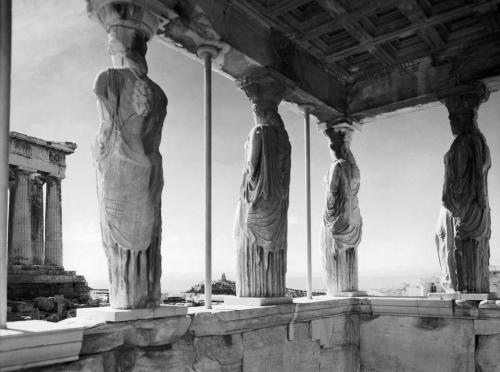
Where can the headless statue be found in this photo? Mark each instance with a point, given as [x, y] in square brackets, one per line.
[341, 225]
[261, 218]
[464, 225]
[132, 109]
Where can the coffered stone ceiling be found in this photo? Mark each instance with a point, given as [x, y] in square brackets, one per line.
[351, 59]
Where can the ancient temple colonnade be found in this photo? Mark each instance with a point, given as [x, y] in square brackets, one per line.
[35, 231]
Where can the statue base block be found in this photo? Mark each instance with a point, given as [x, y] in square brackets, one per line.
[108, 314]
[349, 294]
[463, 296]
[257, 301]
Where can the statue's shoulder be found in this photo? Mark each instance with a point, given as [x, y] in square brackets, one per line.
[101, 83]
[257, 131]
[158, 93]
[104, 79]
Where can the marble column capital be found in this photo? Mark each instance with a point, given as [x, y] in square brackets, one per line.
[49, 178]
[264, 89]
[37, 178]
[127, 14]
[468, 99]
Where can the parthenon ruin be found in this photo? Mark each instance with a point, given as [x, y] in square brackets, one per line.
[35, 238]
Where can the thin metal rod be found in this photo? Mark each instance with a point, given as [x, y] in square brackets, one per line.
[307, 146]
[5, 68]
[208, 180]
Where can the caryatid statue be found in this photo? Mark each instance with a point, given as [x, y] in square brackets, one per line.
[464, 225]
[341, 224]
[261, 218]
[132, 109]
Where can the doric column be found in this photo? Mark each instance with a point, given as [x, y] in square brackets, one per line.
[20, 233]
[53, 221]
[207, 53]
[261, 220]
[5, 67]
[341, 225]
[307, 161]
[37, 217]
[464, 225]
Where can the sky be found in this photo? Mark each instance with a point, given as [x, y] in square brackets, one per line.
[58, 51]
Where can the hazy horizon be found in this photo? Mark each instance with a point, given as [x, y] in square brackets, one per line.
[400, 157]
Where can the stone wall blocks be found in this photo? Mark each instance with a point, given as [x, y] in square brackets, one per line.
[93, 363]
[151, 332]
[225, 351]
[103, 341]
[178, 357]
[341, 330]
[487, 353]
[158, 331]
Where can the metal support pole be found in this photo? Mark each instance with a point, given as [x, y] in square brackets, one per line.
[207, 52]
[307, 146]
[5, 66]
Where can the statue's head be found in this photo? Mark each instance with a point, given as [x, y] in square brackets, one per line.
[127, 48]
[266, 113]
[340, 141]
[463, 107]
[462, 122]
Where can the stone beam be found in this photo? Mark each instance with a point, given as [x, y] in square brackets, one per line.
[37, 155]
[248, 44]
[425, 81]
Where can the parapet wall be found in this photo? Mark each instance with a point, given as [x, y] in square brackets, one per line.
[367, 334]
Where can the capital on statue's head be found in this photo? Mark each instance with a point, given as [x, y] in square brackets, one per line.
[126, 13]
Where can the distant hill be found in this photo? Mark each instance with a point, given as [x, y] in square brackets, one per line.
[228, 287]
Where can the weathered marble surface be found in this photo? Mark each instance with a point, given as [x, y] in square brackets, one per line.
[464, 225]
[132, 109]
[398, 343]
[261, 217]
[262, 339]
[487, 353]
[31, 343]
[341, 225]
[268, 350]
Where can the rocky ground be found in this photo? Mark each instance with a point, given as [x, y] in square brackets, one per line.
[52, 309]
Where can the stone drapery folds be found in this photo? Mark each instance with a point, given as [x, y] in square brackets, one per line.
[464, 225]
[341, 226]
[261, 218]
[129, 166]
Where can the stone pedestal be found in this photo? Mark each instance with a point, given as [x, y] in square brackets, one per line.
[463, 296]
[109, 314]
[349, 294]
[257, 301]
[53, 223]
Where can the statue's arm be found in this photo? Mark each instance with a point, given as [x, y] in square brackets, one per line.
[335, 196]
[253, 150]
[458, 177]
[104, 113]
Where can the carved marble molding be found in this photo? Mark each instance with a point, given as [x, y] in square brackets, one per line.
[35, 155]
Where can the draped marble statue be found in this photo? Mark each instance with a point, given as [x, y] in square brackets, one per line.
[132, 109]
[341, 226]
[463, 229]
[261, 218]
